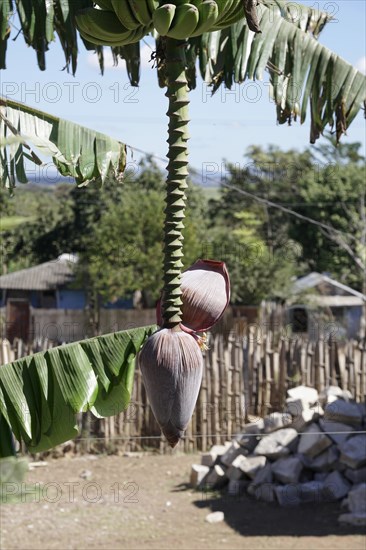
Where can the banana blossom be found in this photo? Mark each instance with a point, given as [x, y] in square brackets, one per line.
[171, 360]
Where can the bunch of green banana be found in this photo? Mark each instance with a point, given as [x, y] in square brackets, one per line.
[120, 22]
[104, 27]
[185, 18]
[134, 13]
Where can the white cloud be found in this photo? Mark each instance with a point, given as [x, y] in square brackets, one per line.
[361, 64]
[145, 53]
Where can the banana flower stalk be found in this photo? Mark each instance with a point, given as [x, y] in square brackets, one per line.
[171, 360]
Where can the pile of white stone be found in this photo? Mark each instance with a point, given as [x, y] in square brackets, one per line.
[313, 451]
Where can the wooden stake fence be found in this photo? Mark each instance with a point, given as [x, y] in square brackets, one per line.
[245, 375]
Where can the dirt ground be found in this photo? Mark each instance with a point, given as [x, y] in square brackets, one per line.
[115, 502]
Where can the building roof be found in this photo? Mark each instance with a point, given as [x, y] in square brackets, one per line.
[328, 289]
[48, 276]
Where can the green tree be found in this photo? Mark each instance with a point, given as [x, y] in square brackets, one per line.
[336, 197]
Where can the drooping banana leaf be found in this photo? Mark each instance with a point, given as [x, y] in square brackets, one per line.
[304, 17]
[41, 394]
[77, 151]
[41, 20]
[302, 71]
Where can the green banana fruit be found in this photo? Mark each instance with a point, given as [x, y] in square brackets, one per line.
[102, 42]
[208, 14]
[140, 11]
[185, 22]
[152, 5]
[140, 33]
[163, 17]
[97, 41]
[105, 5]
[130, 38]
[103, 26]
[125, 15]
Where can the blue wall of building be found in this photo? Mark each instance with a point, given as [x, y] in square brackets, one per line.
[35, 298]
[71, 299]
[67, 299]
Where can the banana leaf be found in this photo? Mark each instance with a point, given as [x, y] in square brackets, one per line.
[41, 394]
[42, 20]
[302, 72]
[76, 151]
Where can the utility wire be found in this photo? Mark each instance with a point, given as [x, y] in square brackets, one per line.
[288, 211]
[262, 200]
[198, 436]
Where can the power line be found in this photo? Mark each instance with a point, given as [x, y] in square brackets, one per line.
[198, 436]
[289, 211]
[264, 201]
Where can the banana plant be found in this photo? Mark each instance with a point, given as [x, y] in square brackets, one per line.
[231, 40]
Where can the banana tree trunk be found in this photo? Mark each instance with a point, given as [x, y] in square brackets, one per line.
[177, 92]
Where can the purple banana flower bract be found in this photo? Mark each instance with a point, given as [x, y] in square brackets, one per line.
[171, 360]
[171, 364]
[205, 295]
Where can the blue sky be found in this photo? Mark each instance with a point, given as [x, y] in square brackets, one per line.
[222, 127]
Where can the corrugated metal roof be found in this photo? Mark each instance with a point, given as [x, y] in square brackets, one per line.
[47, 276]
[315, 279]
[336, 301]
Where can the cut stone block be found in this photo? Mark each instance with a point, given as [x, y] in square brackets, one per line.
[296, 493]
[248, 442]
[312, 491]
[277, 444]
[234, 472]
[276, 420]
[209, 459]
[237, 488]
[344, 412]
[353, 519]
[362, 409]
[231, 453]
[256, 427]
[344, 504]
[216, 477]
[302, 420]
[324, 461]
[320, 476]
[265, 492]
[357, 499]
[215, 517]
[332, 393]
[288, 495]
[313, 441]
[287, 470]
[336, 486]
[330, 426]
[264, 475]
[356, 476]
[296, 406]
[247, 439]
[306, 474]
[249, 465]
[310, 395]
[353, 451]
[198, 472]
